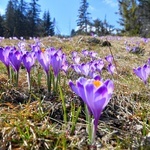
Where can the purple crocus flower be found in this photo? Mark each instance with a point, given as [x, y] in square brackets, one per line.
[22, 46]
[65, 66]
[148, 61]
[85, 68]
[111, 68]
[44, 60]
[76, 59]
[56, 62]
[85, 52]
[15, 58]
[109, 58]
[93, 54]
[74, 54]
[142, 72]
[35, 47]
[99, 65]
[128, 48]
[4, 53]
[28, 60]
[92, 69]
[95, 94]
[145, 40]
[76, 67]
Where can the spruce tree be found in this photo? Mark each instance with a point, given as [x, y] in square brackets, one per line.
[33, 17]
[22, 18]
[143, 14]
[48, 24]
[10, 20]
[83, 17]
[98, 25]
[128, 13]
[1, 25]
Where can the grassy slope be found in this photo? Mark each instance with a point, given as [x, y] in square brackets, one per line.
[125, 123]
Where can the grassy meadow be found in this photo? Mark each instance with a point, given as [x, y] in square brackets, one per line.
[35, 120]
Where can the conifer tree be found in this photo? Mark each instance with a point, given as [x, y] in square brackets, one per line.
[48, 24]
[22, 18]
[128, 13]
[98, 25]
[1, 25]
[33, 17]
[143, 14]
[10, 19]
[83, 17]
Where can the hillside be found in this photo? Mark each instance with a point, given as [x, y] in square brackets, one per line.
[35, 118]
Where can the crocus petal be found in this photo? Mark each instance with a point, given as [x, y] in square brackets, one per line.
[76, 68]
[28, 60]
[85, 68]
[99, 106]
[101, 93]
[73, 87]
[56, 62]
[76, 59]
[110, 86]
[4, 53]
[44, 60]
[85, 52]
[15, 58]
[74, 54]
[109, 58]
[89, 94]
[81, 91]
[97, 77]
[111, 68]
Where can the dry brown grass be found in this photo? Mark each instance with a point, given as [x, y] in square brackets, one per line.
[37, 121]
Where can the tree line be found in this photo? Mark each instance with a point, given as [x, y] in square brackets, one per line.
[23, 19]
[87, 26]
[135, 17]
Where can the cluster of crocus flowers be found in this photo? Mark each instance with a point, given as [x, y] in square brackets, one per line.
[49, 59]
[91, 66]
[52, 58]
[96, 94]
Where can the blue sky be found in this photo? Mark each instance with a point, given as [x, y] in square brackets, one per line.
[66, 11]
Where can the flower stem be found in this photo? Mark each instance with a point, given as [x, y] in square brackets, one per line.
[63, 105]
[93, 132]
[17, 78]
[88, 119]
[8, 71]
[29, 81]
[48, 83]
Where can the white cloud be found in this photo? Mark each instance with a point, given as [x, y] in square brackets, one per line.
[2, 11]
[112, 3]
[91, 8]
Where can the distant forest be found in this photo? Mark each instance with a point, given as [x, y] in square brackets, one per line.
[22, 19]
